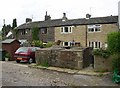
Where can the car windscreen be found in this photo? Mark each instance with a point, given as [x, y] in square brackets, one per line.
[22, 50]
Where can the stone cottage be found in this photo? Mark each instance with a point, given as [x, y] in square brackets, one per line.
[84, 32]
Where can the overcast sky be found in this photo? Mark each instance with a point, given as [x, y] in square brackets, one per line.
[21, 9]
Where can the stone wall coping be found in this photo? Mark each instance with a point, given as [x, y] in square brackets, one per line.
[62, 49]
[72, 50]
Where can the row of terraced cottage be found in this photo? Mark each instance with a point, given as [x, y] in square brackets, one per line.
[84, 32]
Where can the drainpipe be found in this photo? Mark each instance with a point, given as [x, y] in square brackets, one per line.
[86, 35]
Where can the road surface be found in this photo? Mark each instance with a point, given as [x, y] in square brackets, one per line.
[14, 74]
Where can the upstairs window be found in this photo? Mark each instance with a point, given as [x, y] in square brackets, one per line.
[24, 32]
[66, 29]
[43, 30]
[94, 28]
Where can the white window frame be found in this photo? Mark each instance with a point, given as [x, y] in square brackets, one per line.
[94, 28]
[62, 29]
[95, 44]
[66, 45]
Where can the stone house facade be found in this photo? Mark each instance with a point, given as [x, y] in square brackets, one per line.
[84, 32]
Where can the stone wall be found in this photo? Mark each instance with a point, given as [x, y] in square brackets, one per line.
[59, 57]
[102, 64]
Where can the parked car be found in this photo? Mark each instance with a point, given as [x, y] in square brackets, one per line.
[25, 54]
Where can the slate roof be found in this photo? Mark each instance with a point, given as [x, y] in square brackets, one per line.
[9, 41]
[59, 22]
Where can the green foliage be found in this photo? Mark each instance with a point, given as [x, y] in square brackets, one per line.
[116, 61]
[7, 55]
[35, 33]
[37, 43]
[101, 53]
[49, 44]
[5, 30]
[45, 63]
[14, 24]
[114, 42]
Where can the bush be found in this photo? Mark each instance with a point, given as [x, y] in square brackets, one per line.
[7, 55]
[114, 42]
[101, 53]
[116, 61]
[37, 43]
[49, 44]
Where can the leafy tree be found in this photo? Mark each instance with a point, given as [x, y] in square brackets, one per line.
[35, 33]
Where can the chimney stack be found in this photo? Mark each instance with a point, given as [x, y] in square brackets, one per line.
[28, 20]
[64, 18]
[88, 16]
[47, 17]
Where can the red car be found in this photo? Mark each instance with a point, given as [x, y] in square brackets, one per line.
[25, 54]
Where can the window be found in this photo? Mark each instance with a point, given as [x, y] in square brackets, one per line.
[66, 43]
[95, 44]
[43, 30]
[62, 29]
[70, 30]
[66, 29]
[94, 28]
[23, 32]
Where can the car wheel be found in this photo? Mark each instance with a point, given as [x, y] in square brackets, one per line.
[18, 61]
[30, 60]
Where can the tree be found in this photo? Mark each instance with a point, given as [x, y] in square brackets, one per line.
[14, 24]
[5, 30]
[14, 30]
[35, 33]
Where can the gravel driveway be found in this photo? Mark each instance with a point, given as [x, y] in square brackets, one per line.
[14, 74]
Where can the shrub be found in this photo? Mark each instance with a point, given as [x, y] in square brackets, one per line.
[7, 55]
[37, 43]
[49, 44]
[116, 61]
[114, 42]
[101, 53]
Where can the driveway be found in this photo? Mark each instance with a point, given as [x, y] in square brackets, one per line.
[14, 74]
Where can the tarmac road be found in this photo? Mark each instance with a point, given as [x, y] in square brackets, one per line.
[14, 74]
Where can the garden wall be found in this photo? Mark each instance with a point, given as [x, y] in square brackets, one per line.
[66, 58]
[102, 64]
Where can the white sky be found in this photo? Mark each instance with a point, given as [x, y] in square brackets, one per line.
[21, 9]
